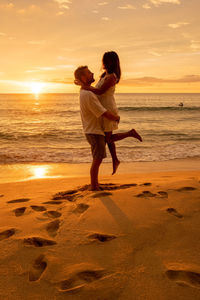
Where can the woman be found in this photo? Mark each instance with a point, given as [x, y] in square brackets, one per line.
[105, 90]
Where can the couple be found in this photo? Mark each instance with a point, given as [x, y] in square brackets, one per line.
[99, 113]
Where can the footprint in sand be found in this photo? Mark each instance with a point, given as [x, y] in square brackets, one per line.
[146, 184]
[7, 233]
[53, 227]
[81, 208]
[38, 207]
[112, 186]
[38, 242]
[145, 194]
[79, 280]
[67, 195]
[174, 212]
[19, 211]
[186, 188]
[126, 186]
[101, 237]
[19, 200]
[163, 194]
[101, 194]
[54, 202]
[53, 214]
[38, 268]
[184, 277]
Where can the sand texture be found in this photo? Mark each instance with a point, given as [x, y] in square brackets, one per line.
[137, 239]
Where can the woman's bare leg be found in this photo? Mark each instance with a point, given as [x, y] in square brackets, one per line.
[120, 136]
[111, 138]
[112, 149]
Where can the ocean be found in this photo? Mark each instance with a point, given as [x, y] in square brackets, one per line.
[47, 128]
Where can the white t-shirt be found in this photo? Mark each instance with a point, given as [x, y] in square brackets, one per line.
[91, 111]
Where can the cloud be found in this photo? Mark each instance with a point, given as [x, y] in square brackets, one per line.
[145, 81]
[105, 19]
[64, 80]
[195, 45]
[154, 53]
[41, 42]
[60, 13]
[4, 35]
[30, 9]
[63, 4]
[55, 68]
[177, 25]
[146, 6]
[38, 69]
[102, 3]
[7, 5]
[160, 2]
[60, 57]
[127, 6]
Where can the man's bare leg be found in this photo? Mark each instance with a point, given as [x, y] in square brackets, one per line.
[94, 171]
[112, 149]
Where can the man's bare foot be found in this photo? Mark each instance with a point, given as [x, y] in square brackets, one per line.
[96, 188]
[136, 135]
[115, 166]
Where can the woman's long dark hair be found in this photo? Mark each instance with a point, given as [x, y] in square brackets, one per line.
[111, 64]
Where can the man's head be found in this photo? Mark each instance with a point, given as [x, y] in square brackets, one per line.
[84, 75]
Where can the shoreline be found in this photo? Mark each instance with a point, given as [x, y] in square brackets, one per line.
[31, 171]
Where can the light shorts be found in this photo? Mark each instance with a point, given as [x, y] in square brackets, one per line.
[98, 145]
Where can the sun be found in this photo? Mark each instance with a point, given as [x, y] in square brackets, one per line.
[36, 87]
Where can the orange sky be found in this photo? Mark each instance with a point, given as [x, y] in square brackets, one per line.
[158, 42]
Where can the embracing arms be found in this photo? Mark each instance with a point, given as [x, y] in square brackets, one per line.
[107, 114]
[92, 104]
[109, 81]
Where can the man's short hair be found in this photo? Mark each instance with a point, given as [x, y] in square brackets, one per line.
[79, 72]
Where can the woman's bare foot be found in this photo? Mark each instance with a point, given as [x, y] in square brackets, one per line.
[136, 135]
[115, 166]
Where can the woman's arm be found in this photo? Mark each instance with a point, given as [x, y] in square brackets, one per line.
[108, 82]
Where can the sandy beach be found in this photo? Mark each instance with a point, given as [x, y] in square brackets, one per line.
[137, 239]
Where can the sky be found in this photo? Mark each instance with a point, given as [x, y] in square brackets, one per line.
[42, 42]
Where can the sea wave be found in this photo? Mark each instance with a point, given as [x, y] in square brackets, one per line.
[55, 135]
[151, 109]
[83, 155]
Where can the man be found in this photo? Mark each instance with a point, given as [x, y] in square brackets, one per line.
[91, 112]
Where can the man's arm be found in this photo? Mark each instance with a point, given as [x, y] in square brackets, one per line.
[107, 114]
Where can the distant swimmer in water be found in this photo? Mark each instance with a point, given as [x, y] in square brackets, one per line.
[181, 104]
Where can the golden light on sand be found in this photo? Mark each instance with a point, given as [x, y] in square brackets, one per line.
[39, 172]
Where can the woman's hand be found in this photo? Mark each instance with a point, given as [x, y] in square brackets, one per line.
[78, 82]
[86, 87]
[118, 119]
[83, 86]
